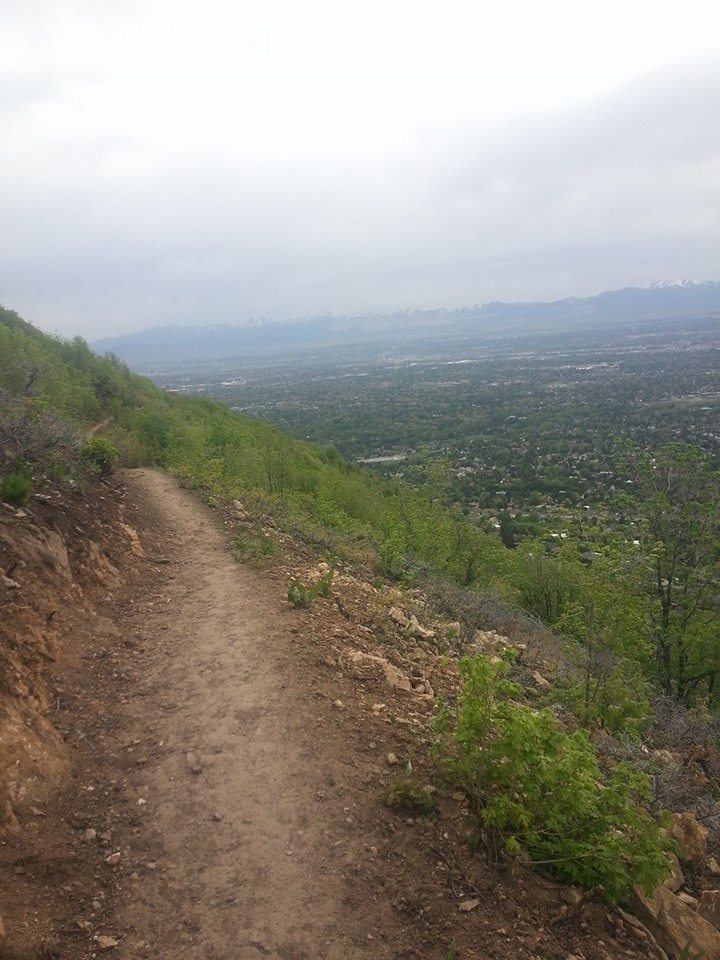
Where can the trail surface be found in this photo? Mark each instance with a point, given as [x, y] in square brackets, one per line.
[250, 859]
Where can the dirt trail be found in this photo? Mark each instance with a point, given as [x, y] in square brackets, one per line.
[250, 859]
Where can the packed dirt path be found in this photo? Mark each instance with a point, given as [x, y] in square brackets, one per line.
[250, 855]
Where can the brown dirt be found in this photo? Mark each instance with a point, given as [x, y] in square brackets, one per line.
[227, 758]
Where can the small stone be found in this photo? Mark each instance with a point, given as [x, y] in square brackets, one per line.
[540, 680]
[391, 760]
[397, 616]
[338, 704]
[217, 817]
[193, 761]
[113, 858]
[467, 905]
[106, 943]
[90, 834]
[571, 896]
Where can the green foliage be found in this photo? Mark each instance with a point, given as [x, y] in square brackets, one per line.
[323, 588]
[15, 488]
[406, 793]
[603, 621]
[678, 493]
[539, 789]
[687, 953]
[636, 613]
[611, 696]
[252, 545]
[100, 454]
[301, 595]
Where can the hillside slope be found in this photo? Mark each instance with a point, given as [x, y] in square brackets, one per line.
[225, 764]
[119, 613]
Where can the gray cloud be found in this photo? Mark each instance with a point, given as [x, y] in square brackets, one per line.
[99, 235]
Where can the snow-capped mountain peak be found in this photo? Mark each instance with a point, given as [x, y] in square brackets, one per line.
[663, 284]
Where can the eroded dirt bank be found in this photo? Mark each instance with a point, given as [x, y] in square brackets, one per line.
[220, 768]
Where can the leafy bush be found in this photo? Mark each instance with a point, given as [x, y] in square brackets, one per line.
[540, 790]
[301, 595]
[100, 454]
[615, 699]
[253, 546]
[15, 488]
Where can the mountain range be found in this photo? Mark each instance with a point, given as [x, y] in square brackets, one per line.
[661, 302]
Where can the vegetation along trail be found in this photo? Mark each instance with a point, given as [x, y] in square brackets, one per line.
[239, 793]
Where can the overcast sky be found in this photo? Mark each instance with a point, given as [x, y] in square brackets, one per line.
[176, 162]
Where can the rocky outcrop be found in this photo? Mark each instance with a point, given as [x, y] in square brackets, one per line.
[677, 926]
[709, 908]
[691, 838]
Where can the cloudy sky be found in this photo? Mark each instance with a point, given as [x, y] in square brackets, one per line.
[177, 162]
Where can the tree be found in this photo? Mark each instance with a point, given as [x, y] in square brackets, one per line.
[678, 495]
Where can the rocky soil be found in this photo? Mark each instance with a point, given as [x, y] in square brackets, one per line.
[191, 767]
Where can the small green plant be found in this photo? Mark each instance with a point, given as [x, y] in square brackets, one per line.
[100, 454]
[539, 790]
[405, 793]
[59, 471]
[452, 952]
[323, 588]
[301, 595]
[15, 488]
[687, 954]
[253, 546]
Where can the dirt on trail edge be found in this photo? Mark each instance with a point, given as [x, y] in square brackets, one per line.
[204, 775]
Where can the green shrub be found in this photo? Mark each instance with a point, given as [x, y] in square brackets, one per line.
[100, 454]
[298, 594]
[540, 790]
[301, 595]
[15, 488]
[253, 546]
[405, 793]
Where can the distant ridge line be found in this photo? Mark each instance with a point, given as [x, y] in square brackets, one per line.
[661, 301]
